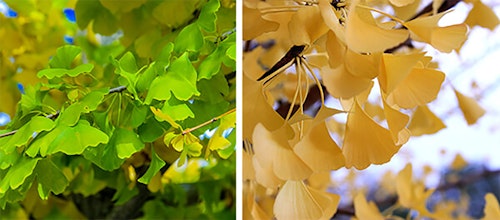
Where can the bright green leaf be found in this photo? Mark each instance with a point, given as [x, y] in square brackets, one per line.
[193, 149]
[64, 56]
[231, 52]
[208, 16]
[7, 160]
[127, 143]
[127, 63]
[189, 39]
[59, 72]
[177, 110]
[156, 164]
[211, 64]
[50, 178]
[25, 133]
[18, 173]
[150, 130]
[180, 79]
[69, 140]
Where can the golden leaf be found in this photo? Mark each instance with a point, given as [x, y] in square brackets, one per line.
[256, 110]
[425, 122]
[335, 50]
[365, 141]
[254, 25]
[273, 151]
[397, 122]
[331, 20]
[482, 15]
[420, 87]
[445, 39]
[366, 210]
[265, 175]
[364, 35]
[412, 195]
[401, 3]
[448, 38]
[306, 26]
[340, 83]
[318, 150]
[298, 201]
[492, 208]
[396, 68]
[471, 110]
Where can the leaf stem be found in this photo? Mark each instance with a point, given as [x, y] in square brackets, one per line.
[383, 13]
[189, 130]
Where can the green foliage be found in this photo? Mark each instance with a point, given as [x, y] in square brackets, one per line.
[122, 114]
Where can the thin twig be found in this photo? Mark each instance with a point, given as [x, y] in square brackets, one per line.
[55, 115]
[189, 130]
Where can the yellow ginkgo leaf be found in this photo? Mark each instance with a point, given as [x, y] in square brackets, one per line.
[492, 208]
[395, 68]
[165, 117]
[401, 3]
[273, 151]
[408, 11]
[254, 25]
[255, 104]
[335, 50]
[458, 163]
[420, 87]
[370, 67]
[412, 195]
[305, 27]
[448, 38]
[298, 201]
[365, 141]
[482, 15]
[331, 20]
[340, 83]
[397, 122]
[265, 175]
[424, 121]
[420, 27]
[366, 210]
[364, 35]
[251, 206]
[248, 170]
[445, 39]
[318, 150]
[470, 108]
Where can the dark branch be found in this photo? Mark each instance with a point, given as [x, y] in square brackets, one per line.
[295, 51]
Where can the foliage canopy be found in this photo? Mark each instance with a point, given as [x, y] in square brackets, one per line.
[124, 110]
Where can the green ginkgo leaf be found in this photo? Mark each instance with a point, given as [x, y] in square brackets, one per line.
[208, 16]
[70, 140]
[25, 133]
[50, 178]
[127, 143]
[180, 80]
[189, 39]
[156, 164]
[64, 56]
[60, 72]
[18, 173]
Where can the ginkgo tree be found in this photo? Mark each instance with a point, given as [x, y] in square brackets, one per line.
[119, 110]
[301, 55]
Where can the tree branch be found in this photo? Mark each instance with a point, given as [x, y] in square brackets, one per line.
[189, 130]
[55, 115]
